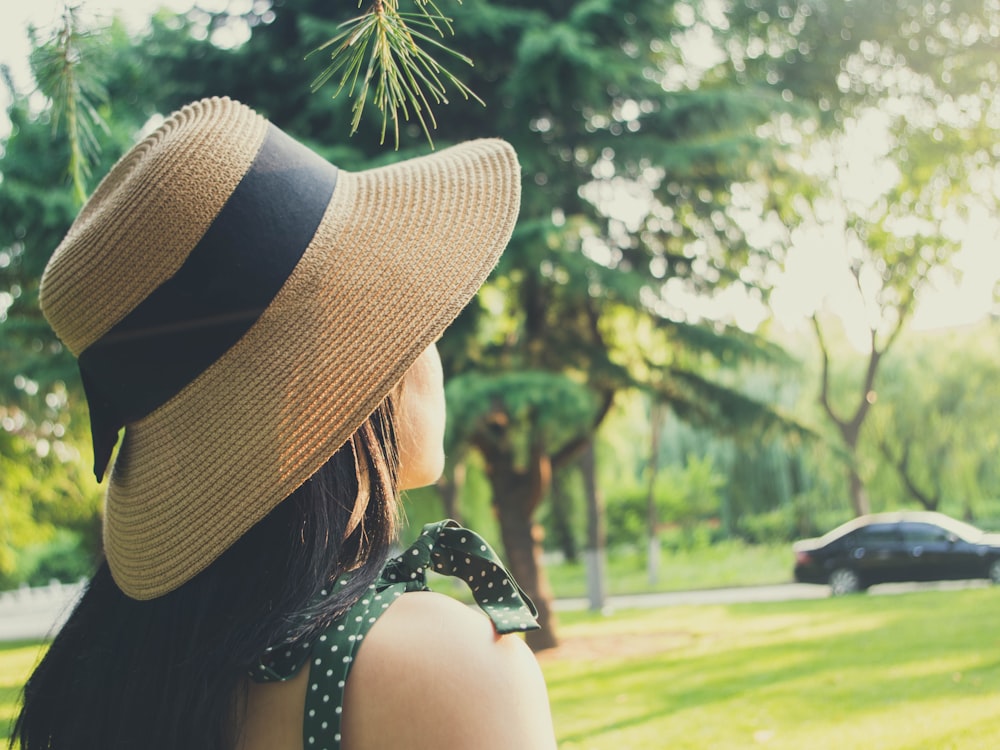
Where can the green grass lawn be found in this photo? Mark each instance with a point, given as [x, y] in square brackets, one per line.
[16, 661]
[729, 563]
[898, 672]
[902, 672]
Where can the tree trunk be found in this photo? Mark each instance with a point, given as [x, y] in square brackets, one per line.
[561, 514]
[656, 419]
[514, 500]
[850, 428]
[596, 538]
[859, 496]
[450, 488]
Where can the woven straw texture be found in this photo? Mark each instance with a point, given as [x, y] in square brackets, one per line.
[399, 252]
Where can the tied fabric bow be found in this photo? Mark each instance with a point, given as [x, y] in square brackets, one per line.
[446, 548]
[449, 549]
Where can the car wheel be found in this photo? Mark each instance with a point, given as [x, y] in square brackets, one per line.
[844, 581]
[995, 571]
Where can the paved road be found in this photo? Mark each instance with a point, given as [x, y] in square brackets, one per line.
[746, 594]
[778, 593]
[35, 613]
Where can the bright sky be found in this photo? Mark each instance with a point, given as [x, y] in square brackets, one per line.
[815, 274]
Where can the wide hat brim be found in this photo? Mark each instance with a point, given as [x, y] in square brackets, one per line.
[400, 250]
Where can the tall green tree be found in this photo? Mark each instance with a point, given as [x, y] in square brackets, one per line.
[580, 91]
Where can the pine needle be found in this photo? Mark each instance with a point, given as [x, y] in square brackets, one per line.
[383, 52]
[68, 76]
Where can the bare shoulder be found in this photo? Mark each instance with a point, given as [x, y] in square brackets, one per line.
[434, 674]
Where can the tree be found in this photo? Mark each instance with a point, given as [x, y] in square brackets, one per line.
[915, 81]
[894, 246]
[936, 423]
[583, 99]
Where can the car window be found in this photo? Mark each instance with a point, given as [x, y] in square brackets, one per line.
[964, 530]
[877, 533]
[923, 533]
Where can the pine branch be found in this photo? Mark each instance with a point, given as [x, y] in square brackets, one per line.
[401, 75]
[68, 76]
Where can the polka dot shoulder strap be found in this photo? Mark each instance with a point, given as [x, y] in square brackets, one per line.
[444, 547]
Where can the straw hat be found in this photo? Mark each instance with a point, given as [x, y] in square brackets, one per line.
[241, 306]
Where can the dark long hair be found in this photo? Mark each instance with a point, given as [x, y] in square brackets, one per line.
[170, 673]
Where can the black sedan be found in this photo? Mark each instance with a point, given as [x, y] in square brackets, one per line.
[889, 547]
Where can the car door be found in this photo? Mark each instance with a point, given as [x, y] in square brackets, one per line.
[876, 552]
[930, 553]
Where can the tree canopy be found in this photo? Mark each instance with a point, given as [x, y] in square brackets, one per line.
[668, 151]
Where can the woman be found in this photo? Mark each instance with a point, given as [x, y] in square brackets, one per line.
[262, 326]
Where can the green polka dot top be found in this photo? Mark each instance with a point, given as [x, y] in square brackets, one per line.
[444, 547]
